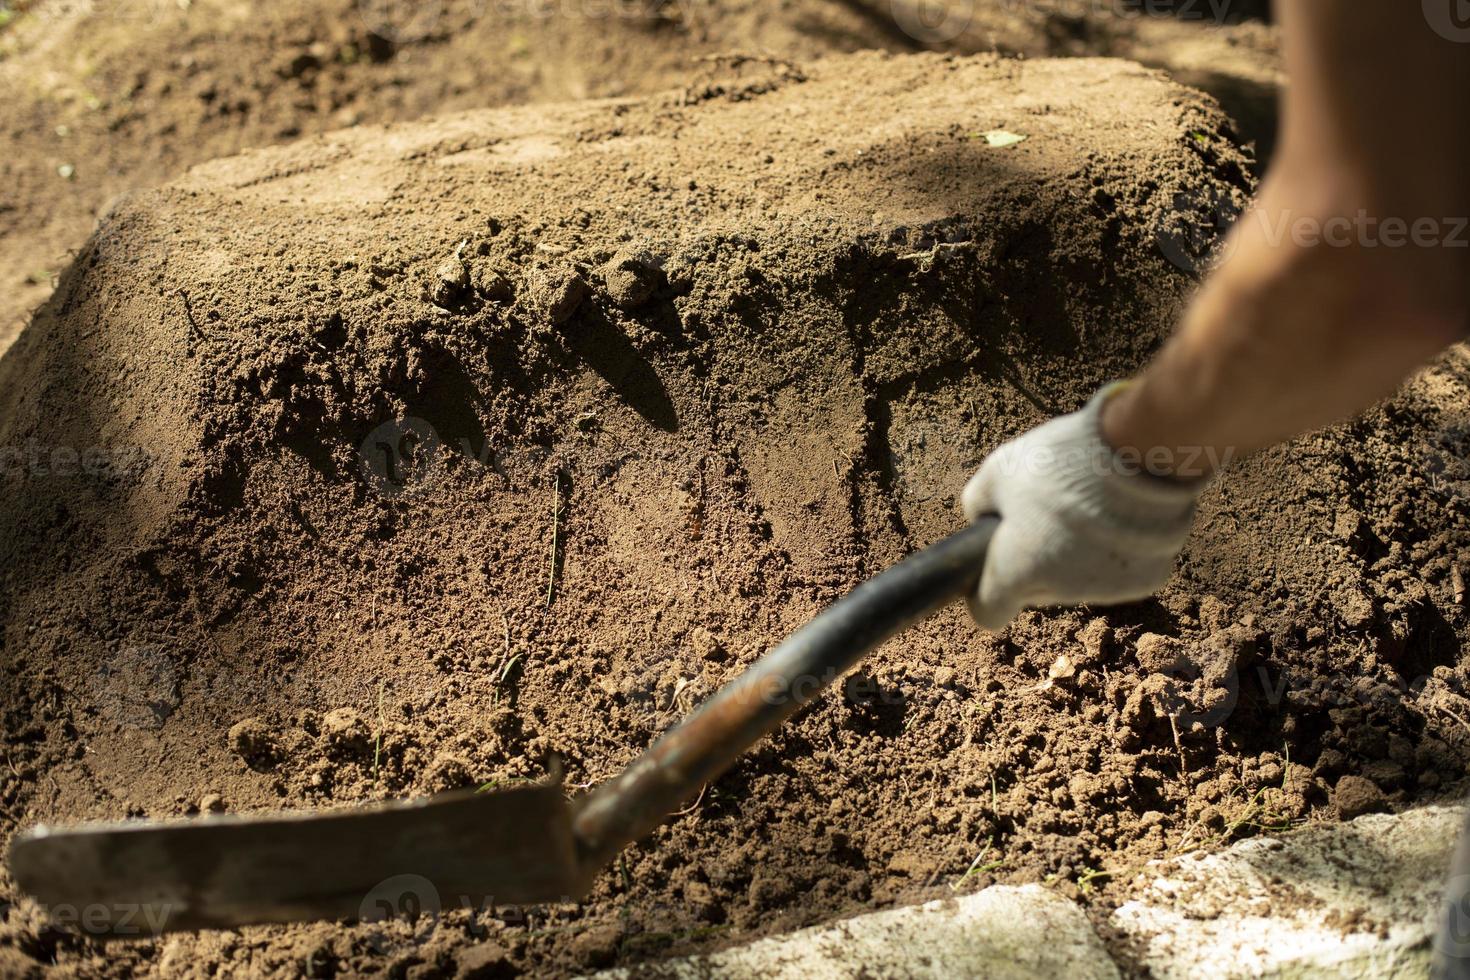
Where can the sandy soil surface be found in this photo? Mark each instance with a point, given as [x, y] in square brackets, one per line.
[408, 458]
[109, 96]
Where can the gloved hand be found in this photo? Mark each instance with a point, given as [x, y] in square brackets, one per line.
[1079, 522]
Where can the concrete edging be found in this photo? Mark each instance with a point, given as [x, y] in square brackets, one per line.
[1002, 933]
[1354, 899]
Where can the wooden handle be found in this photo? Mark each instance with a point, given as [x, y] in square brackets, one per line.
[754, 704]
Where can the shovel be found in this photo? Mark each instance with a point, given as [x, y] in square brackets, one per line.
[464, 849]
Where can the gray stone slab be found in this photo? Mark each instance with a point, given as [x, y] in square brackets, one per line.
[1001, 933]
[1358, 899]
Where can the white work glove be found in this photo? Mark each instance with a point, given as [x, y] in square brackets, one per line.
[1079, 522]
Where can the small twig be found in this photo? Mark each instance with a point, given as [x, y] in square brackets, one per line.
[555, 535]
[1454, 716]
[1085, 880]
[486, 787]
[189, 313]
[926, 258]
[1178, 747]
[976, 867]
[693, 806]
[509, 666]
[627, 876]
[378, 740]
[971, 869]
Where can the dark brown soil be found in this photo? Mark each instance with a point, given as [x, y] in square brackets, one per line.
[403, 459]
[104, 97]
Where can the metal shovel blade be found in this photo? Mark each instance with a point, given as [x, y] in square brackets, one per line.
[399, 859]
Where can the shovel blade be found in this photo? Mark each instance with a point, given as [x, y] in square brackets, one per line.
[395, 860]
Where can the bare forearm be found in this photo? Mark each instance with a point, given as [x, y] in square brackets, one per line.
[1321, 309]
[1282, 340]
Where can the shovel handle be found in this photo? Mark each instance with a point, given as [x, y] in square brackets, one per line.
[754, 704]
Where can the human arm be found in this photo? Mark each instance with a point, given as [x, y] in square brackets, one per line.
[1315, 314]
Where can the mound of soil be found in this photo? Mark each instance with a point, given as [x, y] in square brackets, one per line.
[112, 96]
[407, 458]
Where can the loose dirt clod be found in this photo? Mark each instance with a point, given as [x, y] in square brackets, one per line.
[254, 742]
[706, 646]
[447, 770]
[556, 293]
[451, 281]
[1158, 653]
[487, 961]
[345, 733]
[1355, 796]
[489, 283]
[631, 277]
